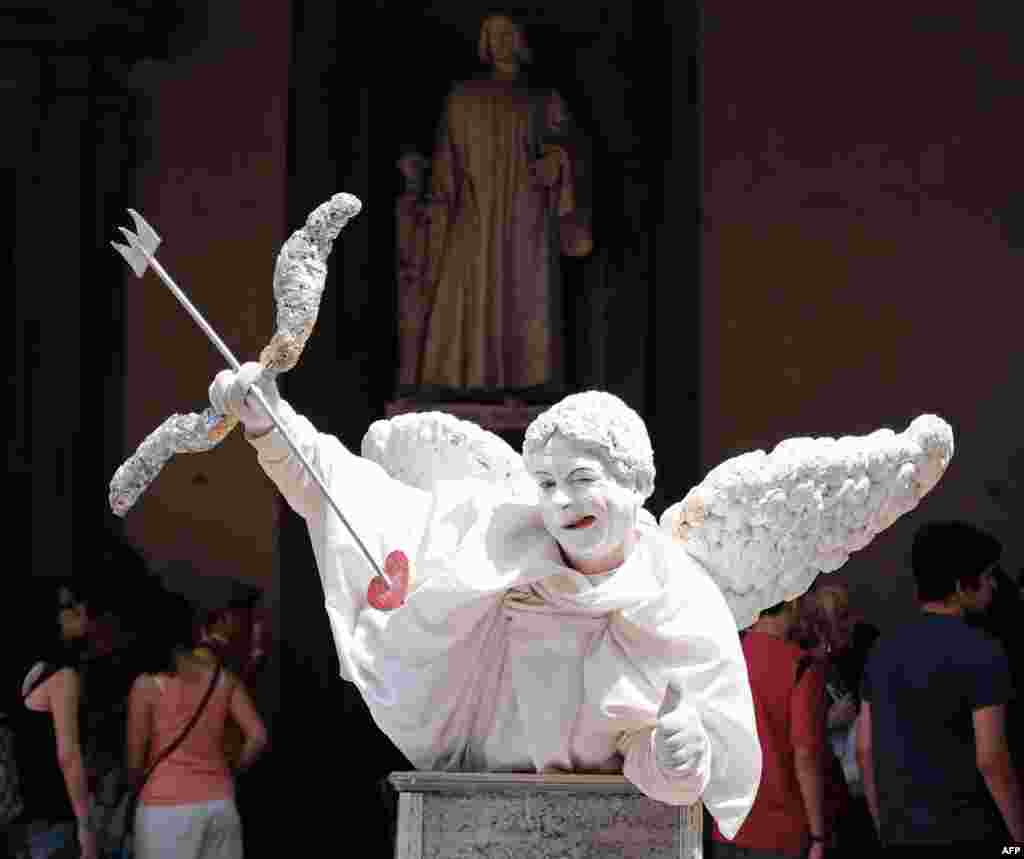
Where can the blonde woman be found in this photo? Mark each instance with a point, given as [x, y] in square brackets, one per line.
[843, 641]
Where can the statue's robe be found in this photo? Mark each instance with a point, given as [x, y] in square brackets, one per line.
[412, 218]
[494, 304]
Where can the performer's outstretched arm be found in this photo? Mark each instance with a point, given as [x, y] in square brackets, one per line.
[361, 488]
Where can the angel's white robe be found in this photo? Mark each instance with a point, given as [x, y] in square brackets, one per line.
[504, 659]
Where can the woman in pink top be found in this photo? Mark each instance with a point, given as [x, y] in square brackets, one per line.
[186, 808]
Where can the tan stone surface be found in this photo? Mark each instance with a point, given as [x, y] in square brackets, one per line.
[463, 815]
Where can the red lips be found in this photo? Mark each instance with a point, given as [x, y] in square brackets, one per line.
[585, 522]
[379, 595]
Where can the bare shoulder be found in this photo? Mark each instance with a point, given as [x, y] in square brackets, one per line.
[61, 684]
[65, 680]
[143, 684]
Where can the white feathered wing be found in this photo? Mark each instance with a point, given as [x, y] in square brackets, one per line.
[765, 525]
[422, 449]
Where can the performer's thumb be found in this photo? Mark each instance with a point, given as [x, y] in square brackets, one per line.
[673, 695]
[248, 375]
[219, 391]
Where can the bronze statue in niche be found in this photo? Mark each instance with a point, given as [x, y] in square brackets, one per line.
[480, 289]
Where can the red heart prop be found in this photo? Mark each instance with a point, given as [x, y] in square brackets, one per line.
[378, 594]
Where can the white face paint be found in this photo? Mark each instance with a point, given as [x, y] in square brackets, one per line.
[591, 515]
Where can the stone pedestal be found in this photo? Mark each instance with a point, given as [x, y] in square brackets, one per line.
[522, 816]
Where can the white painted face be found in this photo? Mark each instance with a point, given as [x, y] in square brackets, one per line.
[585, 508]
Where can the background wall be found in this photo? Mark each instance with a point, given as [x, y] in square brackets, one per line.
[181, 112]
[863, 246]
[177, 109]
[837, 248]
[213, 185]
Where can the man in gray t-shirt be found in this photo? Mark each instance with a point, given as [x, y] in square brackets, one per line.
[931, 738]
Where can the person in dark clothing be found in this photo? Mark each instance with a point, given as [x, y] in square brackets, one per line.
[106, 647]
[931, 741]
[850, 660]
[57, 803]
[1002, 620]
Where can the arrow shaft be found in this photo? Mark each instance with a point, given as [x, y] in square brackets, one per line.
[192, 310]
[318, 479]
[254, 390]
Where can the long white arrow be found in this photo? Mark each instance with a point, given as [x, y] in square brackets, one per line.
[139, 255]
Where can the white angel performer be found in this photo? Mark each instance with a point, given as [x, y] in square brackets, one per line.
[548, 624]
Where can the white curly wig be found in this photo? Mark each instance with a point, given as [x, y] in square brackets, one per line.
[604, 423]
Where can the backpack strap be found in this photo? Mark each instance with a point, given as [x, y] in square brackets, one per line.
[805, 662]
[136, 792]
[185, 731]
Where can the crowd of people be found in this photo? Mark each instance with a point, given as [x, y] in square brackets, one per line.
[126, 716]
[887, 744]
[872, 743]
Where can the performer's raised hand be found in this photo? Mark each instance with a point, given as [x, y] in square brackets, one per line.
[230, 395]
[681, 745]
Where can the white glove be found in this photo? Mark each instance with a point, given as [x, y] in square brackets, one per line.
[228, 396]
[681, 745]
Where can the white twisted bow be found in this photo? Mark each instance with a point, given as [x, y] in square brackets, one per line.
[299, 279]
